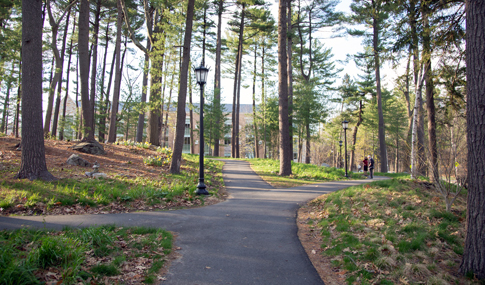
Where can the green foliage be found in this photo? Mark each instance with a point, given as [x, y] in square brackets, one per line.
[389, 224]
[97, 193]
[105, 270]
[27, 251]
[302, 173]
[157, 160]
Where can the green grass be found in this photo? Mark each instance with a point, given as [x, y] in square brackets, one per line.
[388, 230]
[25, 252]
[99, 193]
[302, 173]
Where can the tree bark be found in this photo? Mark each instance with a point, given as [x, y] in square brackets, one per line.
[217, 71]
[237, 88]
[290, 77]
[116, 90]
[103, 106]
[430, 107]
[141, 116]
[3, 127]
[33, 165]
[255, 125]
[191, 115]
[59, 87]
[180, 128]
[83, 48]
[153, 134]
[94, 55]
[382, 134]
[284, 126]
[474, 249]
[352, 159]
[63, 122]
[263, 102]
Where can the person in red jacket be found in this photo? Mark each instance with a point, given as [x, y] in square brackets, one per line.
[366, 165]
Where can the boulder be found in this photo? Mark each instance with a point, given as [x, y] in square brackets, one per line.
[92, 147]
[99, 175]
[77, 161]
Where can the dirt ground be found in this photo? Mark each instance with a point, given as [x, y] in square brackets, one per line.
[311, 241]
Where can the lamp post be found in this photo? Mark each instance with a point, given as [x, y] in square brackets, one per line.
[340, 153]
[345, 125]
[201, 75]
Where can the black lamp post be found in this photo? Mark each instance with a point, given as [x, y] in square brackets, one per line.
[201, 75]
[345, 125]
[340, 154]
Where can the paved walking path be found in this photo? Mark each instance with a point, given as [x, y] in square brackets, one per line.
[249, 239]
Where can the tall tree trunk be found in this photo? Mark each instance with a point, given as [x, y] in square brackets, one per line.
[83, 47]
[382, 135]
[3, 127]
[238, 103]
[191, 114]
[141, 116]
[68, 72]
[263, 103]
[33, 165]
[79, 108]
[255, 125]
[352, 160]
[414, 142]
[217, 72]
[474, 249]
[284, 126]
[59, 87]
[290, 77]
[307, 144]
[116, 90]
[237, 88]
[407, 155]
[421, 153]
[153, 134]
[433, 153]
[58, 64]
[180, 128]
[19, 97]
[169, 102]
[103, 105]
[94, 55]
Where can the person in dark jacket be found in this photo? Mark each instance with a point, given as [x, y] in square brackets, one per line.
[366, 165]
[371, 166]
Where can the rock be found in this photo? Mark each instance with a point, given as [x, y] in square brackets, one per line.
[99, 175]
[92, 147]
[77, 161]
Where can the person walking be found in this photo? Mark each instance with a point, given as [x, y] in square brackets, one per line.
[366, 165]
[371, 166]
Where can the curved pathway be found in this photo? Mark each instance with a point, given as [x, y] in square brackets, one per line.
[249, 239]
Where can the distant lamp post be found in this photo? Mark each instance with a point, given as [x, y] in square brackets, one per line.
[201, 76]
[345, 125]
[340, 154]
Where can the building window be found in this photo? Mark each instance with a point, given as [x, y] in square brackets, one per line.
[186, 146]
[227, 141]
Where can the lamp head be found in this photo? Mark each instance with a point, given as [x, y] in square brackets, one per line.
[201, 74]
[340, 143]
[345, 124]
